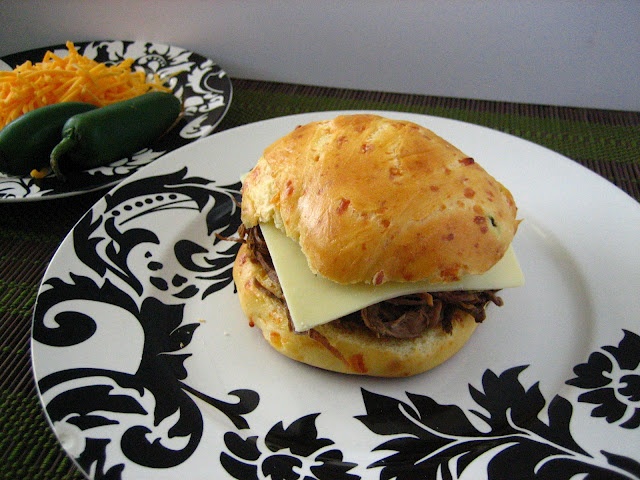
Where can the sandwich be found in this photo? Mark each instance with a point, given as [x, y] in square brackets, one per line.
[371, 246]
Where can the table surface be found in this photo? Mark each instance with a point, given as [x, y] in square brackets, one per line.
[607, 142]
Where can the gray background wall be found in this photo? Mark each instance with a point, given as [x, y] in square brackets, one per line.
[562, 52]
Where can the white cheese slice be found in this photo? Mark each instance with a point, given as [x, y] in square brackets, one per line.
[314, 300]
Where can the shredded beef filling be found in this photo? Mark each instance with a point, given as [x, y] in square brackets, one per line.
[407, 316]
[256, 243]
[410, 315]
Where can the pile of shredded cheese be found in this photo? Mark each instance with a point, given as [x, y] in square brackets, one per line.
[73, 78]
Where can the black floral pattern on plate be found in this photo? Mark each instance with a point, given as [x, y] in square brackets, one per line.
[612, 380]
[93, 405]
[439, 441]
[94, 401]
[286, 450]
[432, 440]
[209, 265]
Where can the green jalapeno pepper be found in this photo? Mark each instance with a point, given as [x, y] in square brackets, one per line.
[113, 132]
[26, 143]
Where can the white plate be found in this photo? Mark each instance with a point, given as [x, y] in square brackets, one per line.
[146, 366]
[203, 86]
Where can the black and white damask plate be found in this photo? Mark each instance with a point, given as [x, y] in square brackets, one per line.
[201, 84]
[147, 368]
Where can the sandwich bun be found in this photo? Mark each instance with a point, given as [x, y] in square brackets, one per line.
[371, 199]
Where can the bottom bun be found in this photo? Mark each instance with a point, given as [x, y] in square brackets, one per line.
[345, 347]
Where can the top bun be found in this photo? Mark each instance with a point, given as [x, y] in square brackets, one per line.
[371, 200]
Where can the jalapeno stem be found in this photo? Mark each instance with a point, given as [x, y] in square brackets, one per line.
[66, 144]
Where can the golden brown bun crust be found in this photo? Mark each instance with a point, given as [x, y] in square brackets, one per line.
[361, 351]
[371, 200]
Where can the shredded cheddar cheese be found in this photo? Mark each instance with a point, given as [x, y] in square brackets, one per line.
[39, 174]
[73, 78]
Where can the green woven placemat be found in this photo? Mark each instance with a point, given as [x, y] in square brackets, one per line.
[607, 142]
